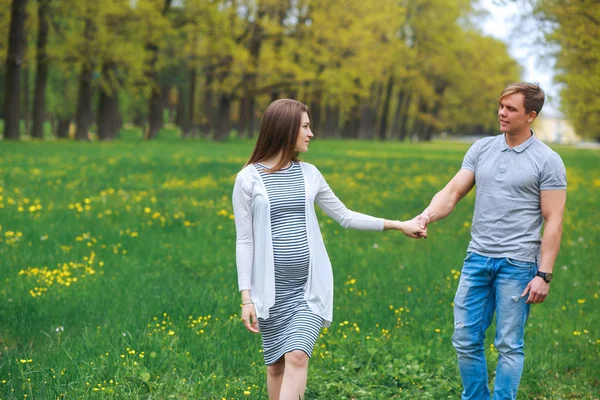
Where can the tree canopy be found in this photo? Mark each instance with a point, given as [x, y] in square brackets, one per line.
[572, 28]
[386, 69]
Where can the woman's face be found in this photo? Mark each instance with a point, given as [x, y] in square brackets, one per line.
[304, 135]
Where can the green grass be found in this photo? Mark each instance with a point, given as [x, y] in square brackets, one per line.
[146, 231]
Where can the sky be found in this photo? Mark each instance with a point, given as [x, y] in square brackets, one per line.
[505, 21]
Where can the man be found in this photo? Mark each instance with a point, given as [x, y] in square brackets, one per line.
[520, 182]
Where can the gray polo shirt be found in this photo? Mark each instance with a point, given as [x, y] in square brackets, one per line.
[507, 218]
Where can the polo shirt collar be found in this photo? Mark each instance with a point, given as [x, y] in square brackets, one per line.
[520, 148]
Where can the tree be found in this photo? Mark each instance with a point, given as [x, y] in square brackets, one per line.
[572, 29]
[155, 104]
[41, 77]
[387, 69]
[83, 116]
[14, 59]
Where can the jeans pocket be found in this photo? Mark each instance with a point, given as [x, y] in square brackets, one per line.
[469, 255]
[519, 264]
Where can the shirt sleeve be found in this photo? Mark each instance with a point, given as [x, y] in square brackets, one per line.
[470, 160]
[335, 209]
[244, 245]
[554, 174]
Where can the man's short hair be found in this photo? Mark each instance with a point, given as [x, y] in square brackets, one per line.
[533, 95]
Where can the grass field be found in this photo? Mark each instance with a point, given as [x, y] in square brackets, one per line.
[117, 263]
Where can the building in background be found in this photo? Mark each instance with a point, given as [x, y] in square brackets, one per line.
[553, 127]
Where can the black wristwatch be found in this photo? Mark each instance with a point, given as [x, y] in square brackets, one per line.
[546, 276]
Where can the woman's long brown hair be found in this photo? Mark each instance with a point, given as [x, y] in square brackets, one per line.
[278, 132]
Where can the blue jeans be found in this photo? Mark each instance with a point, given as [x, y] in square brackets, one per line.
[488, 285]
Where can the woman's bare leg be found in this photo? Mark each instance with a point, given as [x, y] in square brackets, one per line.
[274, 378]
[294, 376]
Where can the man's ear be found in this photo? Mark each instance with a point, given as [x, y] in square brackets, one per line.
[532, 116]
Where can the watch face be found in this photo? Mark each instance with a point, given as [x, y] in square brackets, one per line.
[548, 277]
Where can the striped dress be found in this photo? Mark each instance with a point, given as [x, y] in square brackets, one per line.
[291, 324]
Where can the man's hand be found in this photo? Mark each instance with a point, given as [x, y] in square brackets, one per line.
[423, 219]
[537, 289]
[411, 229]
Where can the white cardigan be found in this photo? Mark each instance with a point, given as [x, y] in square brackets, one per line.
[254, 244]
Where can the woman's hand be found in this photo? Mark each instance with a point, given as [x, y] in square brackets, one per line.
[249, 317]
[412, 228]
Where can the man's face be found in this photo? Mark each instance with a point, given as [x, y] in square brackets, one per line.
[512, 116]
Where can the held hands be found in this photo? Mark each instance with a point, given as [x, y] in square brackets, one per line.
[423, 219]
[411, 229]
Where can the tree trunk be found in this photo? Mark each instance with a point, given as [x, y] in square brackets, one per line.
[250, 116]
[25, 115]
[208, 123]
[331, 126]
[41, 76]
[242, 113]
[182, 119]
[386, 108]
[403, 126]
[223, 117]
[155, 103]
[246, 118]
[155, 109]
[282, 12]
[249, 78]
[139, 119]
[62, 131]
[187, 109]
[14, 60]
[158, 102]
[368, 114]
[84, 103]
[396, 122]
[108, 118]
[368, 117]
[420, 123]
[433, 113]
[83, 118]
[189, 120]
[315, 108]
[399, 128]
[351, 125]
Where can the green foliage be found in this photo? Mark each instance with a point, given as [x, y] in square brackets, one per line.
[335, 54]
[118, 276]
[482, 69]
[4, 26]
[573, 28]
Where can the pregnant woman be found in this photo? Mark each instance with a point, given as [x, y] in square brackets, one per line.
[284, 274]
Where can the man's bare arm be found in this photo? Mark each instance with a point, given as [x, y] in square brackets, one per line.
[552, 207]
[446, 199]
